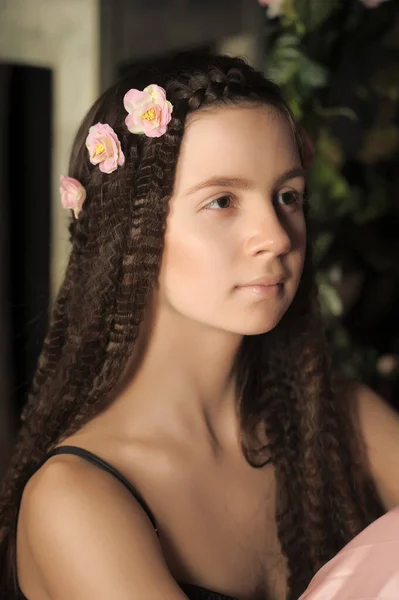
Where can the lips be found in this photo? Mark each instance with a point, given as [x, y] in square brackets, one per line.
[265, 281]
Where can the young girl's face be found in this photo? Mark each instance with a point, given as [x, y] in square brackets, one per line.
[235, 235]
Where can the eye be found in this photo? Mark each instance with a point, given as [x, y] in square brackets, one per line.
[290, 199]
[220, 203]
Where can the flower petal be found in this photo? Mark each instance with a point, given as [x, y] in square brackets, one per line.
[134, 98]
[132, 125]
[157, 93]
[109, 165]
[121, 159]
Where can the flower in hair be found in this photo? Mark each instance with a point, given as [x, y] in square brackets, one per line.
[149, 111]
[73, 194]
[104, 148]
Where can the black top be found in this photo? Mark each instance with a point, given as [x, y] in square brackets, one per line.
[193, 592]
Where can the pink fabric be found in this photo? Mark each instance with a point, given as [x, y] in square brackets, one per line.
[366, 569]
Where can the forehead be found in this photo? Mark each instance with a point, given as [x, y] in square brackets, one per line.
[253, 142]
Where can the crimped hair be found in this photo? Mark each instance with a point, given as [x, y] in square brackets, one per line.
[325, 495]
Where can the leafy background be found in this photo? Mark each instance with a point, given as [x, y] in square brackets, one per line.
[337, 62]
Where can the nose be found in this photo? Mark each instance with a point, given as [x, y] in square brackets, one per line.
[268, 234]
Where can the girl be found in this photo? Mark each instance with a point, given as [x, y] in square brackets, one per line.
[156, 461]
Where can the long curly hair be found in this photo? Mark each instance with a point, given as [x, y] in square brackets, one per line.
[325, 495]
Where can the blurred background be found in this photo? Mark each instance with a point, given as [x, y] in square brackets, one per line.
[338, 64]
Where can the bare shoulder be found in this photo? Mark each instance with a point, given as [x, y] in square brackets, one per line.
[90, 538]
[379, 426]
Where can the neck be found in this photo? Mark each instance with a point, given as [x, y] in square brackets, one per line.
[184, 381]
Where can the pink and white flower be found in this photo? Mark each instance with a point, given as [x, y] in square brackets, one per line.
[274, 7]
[149, 111]
[372, 3]
[104, 148]
[73, 194]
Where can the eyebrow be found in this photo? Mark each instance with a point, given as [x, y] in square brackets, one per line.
[244, 184]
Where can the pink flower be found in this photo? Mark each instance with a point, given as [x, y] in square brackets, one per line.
[372, 3]
[275, 7]
[104, 148]
[72, 193]
[149, 111]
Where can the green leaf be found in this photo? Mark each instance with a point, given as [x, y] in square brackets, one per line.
[379, 143]
[334, 111]
[314, 12]
[330, 148]
[288, 40]
[285, 60]
[331, 193]
[330, 300]
[282, 72]
[312, 75]
[321, 245]
[296, 108]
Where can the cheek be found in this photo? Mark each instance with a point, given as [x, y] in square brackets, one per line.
[189, 265]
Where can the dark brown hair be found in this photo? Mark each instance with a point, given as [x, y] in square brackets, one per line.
[325, 495]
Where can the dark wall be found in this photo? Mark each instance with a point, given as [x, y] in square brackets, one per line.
[25, 180]
[137, 30]
[6, 427]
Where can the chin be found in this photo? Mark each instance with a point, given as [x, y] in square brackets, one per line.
[258, 330]
[259, 327]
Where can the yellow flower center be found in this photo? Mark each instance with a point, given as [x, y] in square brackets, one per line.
[99, 149]
[149, 114]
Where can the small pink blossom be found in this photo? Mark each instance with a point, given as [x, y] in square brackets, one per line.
[72, 193]
[104, 148]
[275, 7]
[149, 111]
[372, 3]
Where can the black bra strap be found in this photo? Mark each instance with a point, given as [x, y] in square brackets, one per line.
[99, 462]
